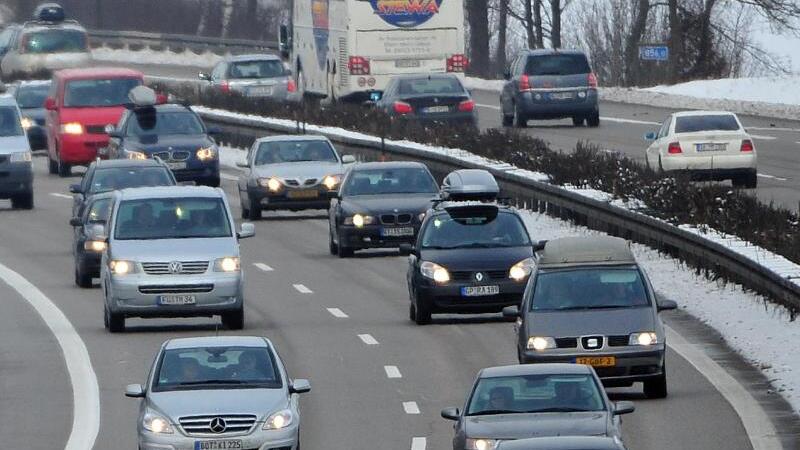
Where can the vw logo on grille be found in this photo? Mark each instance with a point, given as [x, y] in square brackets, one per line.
[217, 425]
[479, 276]
[176, 267]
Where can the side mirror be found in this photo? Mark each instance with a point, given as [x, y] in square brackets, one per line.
[75, 188]
[406, 249]
[348, 159]
[247, 230]
[507, 75]
[651, 136]
[621, 408]
[50, 104]
[539, 246]
[134, 391]
[451, 413]
[214, 131]
[300, 386]
[242, 163]
[75, 222]
[512, 312]
[204, 76]
[109, 128]
[666, 305]
[103, 151]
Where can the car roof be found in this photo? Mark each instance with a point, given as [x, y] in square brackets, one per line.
[534, 369]
[98, 72]
[217, 341]
[35, 83]
[171, 107]
[292, 137]
[7, 100]
[446, 206]
[570, 251]
[37, 25]
[169, 192]
[550, 51]
[703, 113]
[107, 163]
[563, 443]
[434, 76]
[253, 57]
[389, 165]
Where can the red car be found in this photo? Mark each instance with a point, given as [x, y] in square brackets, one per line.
[81, 104]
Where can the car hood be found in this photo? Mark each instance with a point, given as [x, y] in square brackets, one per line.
[166, 250]
[521, 426]
[156, 143]
[403, 203]
[259, 402]
[501, 258]
[14, 144]
[303, 169]
[619, 321]
[94, 115]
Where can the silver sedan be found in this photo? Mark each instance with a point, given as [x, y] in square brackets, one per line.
[222, 392]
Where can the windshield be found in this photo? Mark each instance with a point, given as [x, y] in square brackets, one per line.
[217, 367]
[10, 124]
[114, 178]
[503, 230]
[32, 96]
[411, 180]
[172, 218]
[146, 122]
[557, 65]
[294, 151]
[535, 393]
[590, 288]
[693, 124]
[256, 69]
[99, 211]
[54, 41]
[92, 93]
[430, 86]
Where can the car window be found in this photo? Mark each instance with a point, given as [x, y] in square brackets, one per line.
[32, 96]
[717, 122]
[172, 218]
[114, 178]
[535, 393]
[589, 288]
[503, 230]
[256, 69]
[218, 71]
[294, 151]
[221, 367]
[148, 121]
[10, 124]
[98, 211]
[427, 86]
[99, 92]
[664, 128]
[409, 180]
[558, 64]
[54, 41]
[5, 38]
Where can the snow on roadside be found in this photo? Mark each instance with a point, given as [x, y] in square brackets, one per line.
[147, 56]
[763, 89]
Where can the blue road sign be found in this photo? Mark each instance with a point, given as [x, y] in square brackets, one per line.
[654, 53]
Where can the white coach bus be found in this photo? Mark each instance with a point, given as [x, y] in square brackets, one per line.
[348, 49]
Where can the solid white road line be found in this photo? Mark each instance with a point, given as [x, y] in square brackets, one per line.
[762, 137]
[85, 390]
[368, 339]
[56, 194]
[764, 175]
[411, 407]
[228, 177]
[759, 428]
[419, 443]
[480, 105]
[302, 289]
[631, 121]
[336, 312]
[392, 372]
[263, 267]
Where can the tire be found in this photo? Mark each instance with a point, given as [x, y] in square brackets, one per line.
[114, 323]
[423, 311]
[52, 166]
[344, 252]
[507, 121]
[746, 181]
[594, 120]
[234, 320]
[657, 388]
[22, 201]
[332, 247]
[578, 121]
[82, 279]
[520, 121]
[64, 169]
[412, 311]
[254, 211]
[211, 181]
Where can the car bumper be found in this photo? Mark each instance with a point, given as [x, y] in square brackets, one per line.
[80, 149]
[37, 138]
[710, 165]
[15, 178]
[197, 170]
[257, 440]
[539, 105]
[285, 200]
[450, 299]
[632, 364]
[372, 236]
[90, 262]
[454, 119]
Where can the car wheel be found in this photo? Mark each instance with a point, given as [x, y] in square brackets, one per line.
[507, 120]
[115, 323]
[82, 279]
[234, 320]
[332, 247]
[52, 165]
[593, 120]
[657, 388]
[64, 169]
[23, 201]
[254, 211]
[520, 121]
[423, 311]
[344, 252]
[412, 311]
[578, 121]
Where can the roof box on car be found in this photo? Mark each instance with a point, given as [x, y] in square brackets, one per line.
[49, 12]
[470, 184]
[142, 96]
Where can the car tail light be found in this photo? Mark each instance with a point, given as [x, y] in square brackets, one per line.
[358, 65]
[161, 98]
[747, 146]
[291, 86]
[592, 78]
[466, 106]
[674, 148]
[225, 87]
[403, 108]
[524, 83]
[457, 63]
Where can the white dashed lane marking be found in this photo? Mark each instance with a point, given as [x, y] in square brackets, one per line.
[392, 372]
[225, 176]
[263, 267]
[336, 312]
[418, 443]
[56, 194]
[411, 407]
[368, 339]
[302, 289]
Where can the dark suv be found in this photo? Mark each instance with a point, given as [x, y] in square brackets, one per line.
[550, 84]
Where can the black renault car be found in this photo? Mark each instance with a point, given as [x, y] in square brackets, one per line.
[30, 96]
[380, 205]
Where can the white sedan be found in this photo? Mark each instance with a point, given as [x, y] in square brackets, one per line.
[706, 144]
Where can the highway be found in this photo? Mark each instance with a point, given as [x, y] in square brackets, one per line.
[341, 323]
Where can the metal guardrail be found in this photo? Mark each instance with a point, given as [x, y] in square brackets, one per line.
[136, 40]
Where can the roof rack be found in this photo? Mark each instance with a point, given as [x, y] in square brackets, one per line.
[470, 184]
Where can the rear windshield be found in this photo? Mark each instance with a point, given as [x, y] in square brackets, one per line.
[172, 218]
[425, 86]
[694, 124]
[557, 65]
[590, 288]
[10, 124]
[32, 96]
[113, 178]
[164, 123]
[98, 93]
[256, 69]
[54, 41]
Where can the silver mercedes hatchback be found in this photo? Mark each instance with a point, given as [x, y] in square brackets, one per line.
[221, 392]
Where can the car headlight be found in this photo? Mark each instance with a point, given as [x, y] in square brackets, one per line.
[19, 157]
[156, 423]
[72, 128]
[481, 444]
[207, 153]
[27, 123]
[130, 154]
[279, 420]
[331, 181]
[540, 343]
[421, 217]
[227, 264]
[358, 220]
[95, 246]
[521, 270]
[434, 271]
[272, 183]
[121, 267]
[644, 339]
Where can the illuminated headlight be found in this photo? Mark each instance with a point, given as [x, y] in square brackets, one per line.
[421, 217]
[279, 420]
[581, 94]
[229, 264]
[155, 423]
[331, 181]
[644, 339]
[135, 155]
[27, 123]
[482, 444]
[358, 220]
[434, 271]
[540, 343]
[94, 246]
[120, 267]
[273, 184]
[19, 157]
[521, 270]
[72, 128]
[205, 154]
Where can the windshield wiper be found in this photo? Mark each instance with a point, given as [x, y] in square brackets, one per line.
[194, 383]
[490, 412]
[558, 409]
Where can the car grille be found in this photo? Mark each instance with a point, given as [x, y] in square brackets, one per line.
[234, 423]
[186, 268]
[296, 182]
[569, 342]
[395, 219]
[173, 156]
[96, 129]
[470, 276]
[176, 288]
[585, 342]
[618, 341]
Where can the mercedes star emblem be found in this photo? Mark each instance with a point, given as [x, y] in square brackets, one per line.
[175, 267]
[217, 425]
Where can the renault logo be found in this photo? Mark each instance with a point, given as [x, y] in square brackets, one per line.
[479, 276]
[217, 425]
[175, 267]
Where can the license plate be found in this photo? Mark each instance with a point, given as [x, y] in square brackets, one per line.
[407, 63]
[177, 299]
[308, 193]
[562, 95]
[398, 231]
[436, 109]
[176, 165]
[261, 91]
[218, 445]
[711, 147]
[597, 361]
[478, 291]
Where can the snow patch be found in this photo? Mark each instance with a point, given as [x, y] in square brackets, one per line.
[185, 58]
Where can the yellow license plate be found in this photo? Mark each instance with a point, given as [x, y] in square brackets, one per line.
[597, 361]
[303, 194]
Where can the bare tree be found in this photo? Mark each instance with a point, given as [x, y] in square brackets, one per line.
[502, 35]
[641, 11]
[478, 18]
